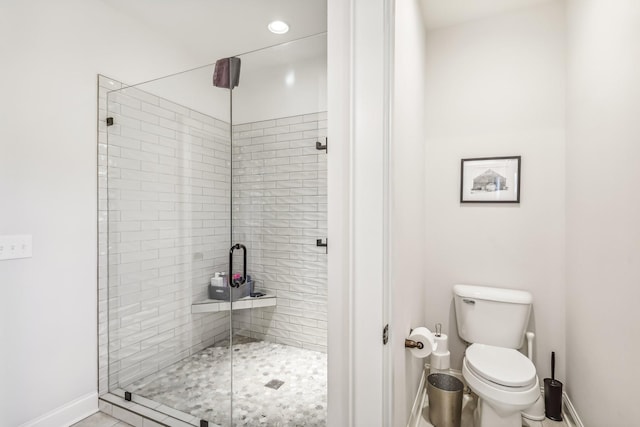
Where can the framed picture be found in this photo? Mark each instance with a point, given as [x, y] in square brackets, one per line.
[490, 180]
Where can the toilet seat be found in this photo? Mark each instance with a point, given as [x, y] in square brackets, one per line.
[504, 367]
[515, 398]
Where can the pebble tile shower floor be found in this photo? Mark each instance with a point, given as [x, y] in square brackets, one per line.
[273, 385]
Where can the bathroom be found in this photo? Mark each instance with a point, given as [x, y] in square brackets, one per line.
[550, 81]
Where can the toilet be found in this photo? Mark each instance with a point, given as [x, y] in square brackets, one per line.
[493, 321]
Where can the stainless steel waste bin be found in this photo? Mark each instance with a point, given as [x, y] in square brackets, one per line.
[445, 400]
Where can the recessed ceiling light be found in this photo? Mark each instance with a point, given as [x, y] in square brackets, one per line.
[278, 27]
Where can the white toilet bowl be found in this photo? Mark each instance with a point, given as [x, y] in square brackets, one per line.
[534, 415]
[505, 382]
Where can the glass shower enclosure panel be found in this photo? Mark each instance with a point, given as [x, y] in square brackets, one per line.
[169, 232]
[279, 212]
[217, 176]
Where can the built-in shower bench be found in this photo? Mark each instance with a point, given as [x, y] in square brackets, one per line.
[213, 305]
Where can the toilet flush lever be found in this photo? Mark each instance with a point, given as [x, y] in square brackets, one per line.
[468, 301]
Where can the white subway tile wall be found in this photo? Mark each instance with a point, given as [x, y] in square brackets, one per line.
[165, 170]
[279, 212]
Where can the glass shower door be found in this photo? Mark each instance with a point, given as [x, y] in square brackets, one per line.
[168, 161]
[279, 212]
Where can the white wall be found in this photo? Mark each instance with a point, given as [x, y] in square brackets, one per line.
[52, 53]
[603, 207]
[281, 90]
[407, 202]
[495, 87]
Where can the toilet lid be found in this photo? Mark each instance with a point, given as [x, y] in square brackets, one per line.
[504, 366]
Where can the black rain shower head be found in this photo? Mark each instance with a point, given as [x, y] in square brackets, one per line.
[227, 73]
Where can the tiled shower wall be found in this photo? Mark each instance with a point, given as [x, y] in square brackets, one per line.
[167, 227]
[279, 211]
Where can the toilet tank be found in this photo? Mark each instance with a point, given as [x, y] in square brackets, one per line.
[492, 316]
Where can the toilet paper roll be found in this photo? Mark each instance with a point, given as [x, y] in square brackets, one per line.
[440, 360]
[443, 344]
[424, 336]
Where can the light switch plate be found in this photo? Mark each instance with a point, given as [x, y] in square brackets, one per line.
[17, 246]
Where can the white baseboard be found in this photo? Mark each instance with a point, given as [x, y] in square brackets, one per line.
[570, 411]
[67, 414]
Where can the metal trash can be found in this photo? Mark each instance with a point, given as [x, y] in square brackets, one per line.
[445, 400]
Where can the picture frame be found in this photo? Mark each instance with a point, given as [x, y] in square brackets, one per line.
[490, 180]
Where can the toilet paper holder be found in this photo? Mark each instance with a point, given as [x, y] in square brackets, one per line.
[413, 344]
[420, 342]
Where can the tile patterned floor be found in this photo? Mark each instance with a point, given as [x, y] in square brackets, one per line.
[200, 384]
[100, 419]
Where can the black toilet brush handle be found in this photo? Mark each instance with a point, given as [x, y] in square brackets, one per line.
[553, 365]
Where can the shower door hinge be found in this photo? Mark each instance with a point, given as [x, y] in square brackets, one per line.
[127, 396]
[325, 245]
[109, 121]
[385, 334]
[324, 147]
[204, 423]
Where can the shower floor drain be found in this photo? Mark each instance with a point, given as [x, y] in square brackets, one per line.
[274, 384]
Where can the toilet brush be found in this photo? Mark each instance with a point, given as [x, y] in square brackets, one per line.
[553, 393]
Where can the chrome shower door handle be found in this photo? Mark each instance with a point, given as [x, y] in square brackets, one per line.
[232, 282]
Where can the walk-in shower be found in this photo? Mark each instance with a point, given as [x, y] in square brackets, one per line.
[188, 171]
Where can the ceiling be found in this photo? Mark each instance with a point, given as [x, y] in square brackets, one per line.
[211, 29]
[443, 13]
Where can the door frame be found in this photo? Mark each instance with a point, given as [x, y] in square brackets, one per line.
[359, 73]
